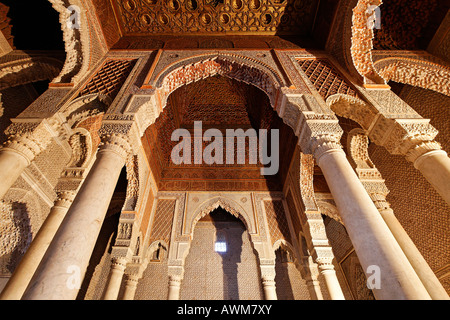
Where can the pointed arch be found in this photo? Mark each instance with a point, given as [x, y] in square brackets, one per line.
[227, 204]
[353, 108]
[415, 72]
[244, 69]
[76, 40]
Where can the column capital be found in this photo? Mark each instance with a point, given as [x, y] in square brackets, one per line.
[64, 198]
[325, 143]
[324, 257]
[29, 137]
[23, 144]
[416, 153]
[119, 263]
[116, 142]
[401, 136]
[132, 278]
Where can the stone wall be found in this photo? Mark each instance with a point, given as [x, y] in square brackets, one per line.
[231, 275]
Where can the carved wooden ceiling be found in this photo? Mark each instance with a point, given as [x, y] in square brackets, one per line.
[216, 16]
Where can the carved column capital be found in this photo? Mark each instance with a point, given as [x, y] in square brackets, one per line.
[416, 152]
[64, 198]
[24, 145]
[117, 143]
[324, 257]
[119, 263]
[401, 136]
[325, 143]
[29, 138]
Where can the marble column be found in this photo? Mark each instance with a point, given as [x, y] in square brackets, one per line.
[23, 273]
[314, 289]
[15, 156]
[64, 265]
[269, 287]
[116, 272]
[331, 280]
[434, 164]
[373, 241]
[174, 287]
[423, 270]
[131, 283]
[268, 280]
[324, 258]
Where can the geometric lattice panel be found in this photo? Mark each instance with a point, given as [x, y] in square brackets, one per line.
[110, 78]
[276, 219]
[162, 222]
[325, 78]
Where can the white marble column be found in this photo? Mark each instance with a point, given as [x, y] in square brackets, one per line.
[434, 164]
[174, 287]
[269, 287]
[64, 265]
[324, 258]
[331, 280]
[116, 272]
[15, 156]
[23, 273]
[373, 241]
[268, 280]
[423, 270]
[131, 283]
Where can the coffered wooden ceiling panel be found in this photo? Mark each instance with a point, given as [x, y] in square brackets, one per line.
[281, 17]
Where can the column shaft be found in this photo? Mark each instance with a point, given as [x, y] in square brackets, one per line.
[65, 263]
[435, 167]
[115, 279]
[425, 273]
[374, 243]
[174, 288]
[12, 163]
[23, 273]
[270, 292]
[130, 287]
[333, 286]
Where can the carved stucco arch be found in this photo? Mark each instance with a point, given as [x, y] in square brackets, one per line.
[353, 108]
[287, 246]
[192, 69]
[76, 41]
[82, 148]
[153, 247]
[415, 72]
[329, 210]
[240, 68]
[358, 149]
[228, 205]
[362, 42]
[84, 107]
[28, 70]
